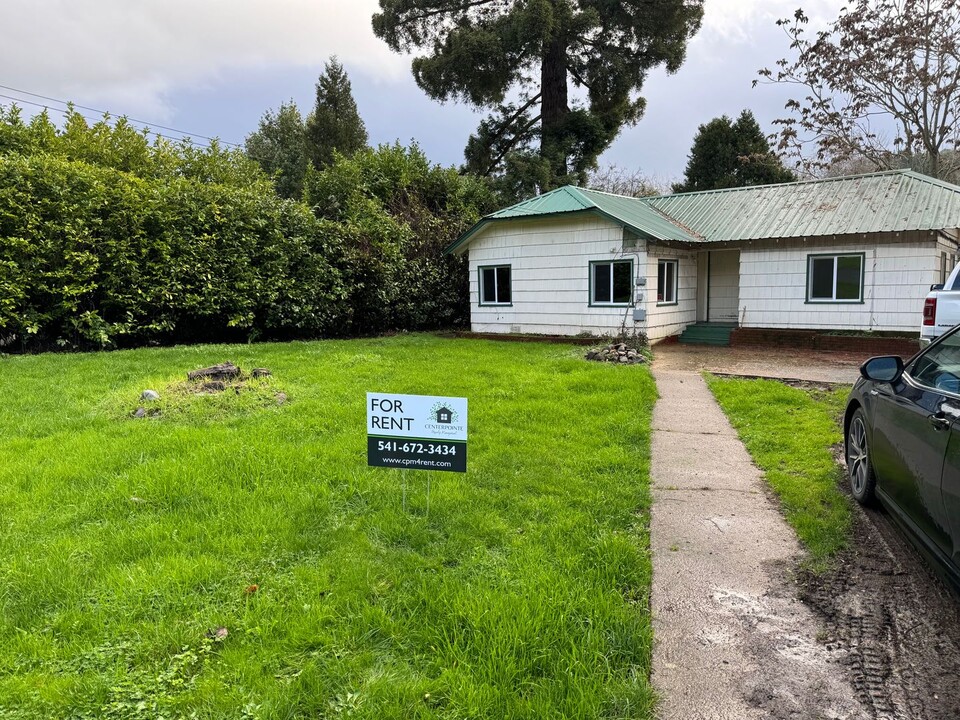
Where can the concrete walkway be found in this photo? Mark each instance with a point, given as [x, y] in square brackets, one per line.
[732, 641]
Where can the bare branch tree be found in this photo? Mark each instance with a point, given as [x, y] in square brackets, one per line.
[880, 87]
[632, 183]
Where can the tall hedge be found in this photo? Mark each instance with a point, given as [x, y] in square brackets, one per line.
[91, 256]
[108, 240]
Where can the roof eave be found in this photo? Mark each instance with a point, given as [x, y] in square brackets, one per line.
[460, 244]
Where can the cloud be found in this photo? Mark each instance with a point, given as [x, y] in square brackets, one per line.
[131, 54]
[740, 21]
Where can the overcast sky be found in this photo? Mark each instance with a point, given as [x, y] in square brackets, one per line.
[211, 67]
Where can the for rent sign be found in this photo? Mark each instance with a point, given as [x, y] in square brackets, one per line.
[417, 432]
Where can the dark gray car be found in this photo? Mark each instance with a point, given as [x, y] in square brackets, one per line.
[902, 439]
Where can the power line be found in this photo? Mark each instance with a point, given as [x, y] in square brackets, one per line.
[145, 123]
[148, 127]
[188, 140]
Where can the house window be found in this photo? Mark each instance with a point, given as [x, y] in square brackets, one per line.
[835, 278]
[666, 282]
[495, 285]
[611, 283]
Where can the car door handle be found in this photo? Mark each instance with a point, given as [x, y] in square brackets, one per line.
[939, 421]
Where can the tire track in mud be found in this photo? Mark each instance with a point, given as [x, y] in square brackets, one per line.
[896, 621]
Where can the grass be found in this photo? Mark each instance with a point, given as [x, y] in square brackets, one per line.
[790, 432]
[127, 544]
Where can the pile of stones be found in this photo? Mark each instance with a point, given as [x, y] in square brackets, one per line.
[617, 353]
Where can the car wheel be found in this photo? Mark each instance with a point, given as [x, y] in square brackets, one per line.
[863, 482]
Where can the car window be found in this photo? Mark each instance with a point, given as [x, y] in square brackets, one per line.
[939, 367]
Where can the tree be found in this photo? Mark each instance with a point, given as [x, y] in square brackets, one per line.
[519, 60]
[335, 124]
[880, 84]
[279, 146]
[731, 154]
[630, 183]
[397, 213]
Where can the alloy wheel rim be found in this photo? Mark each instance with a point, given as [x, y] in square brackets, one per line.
[857, 456]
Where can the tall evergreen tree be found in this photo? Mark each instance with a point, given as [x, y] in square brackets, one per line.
[335, 124]
[729, 154]
[279, 146]
[484, 51]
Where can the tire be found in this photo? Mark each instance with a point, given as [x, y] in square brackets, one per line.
[863, 481]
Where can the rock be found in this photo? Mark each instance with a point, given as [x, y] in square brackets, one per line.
[616, 353]
[140, 412]
[149, 396]
[281, 398]
[261, 373]
[223, 371]
[219, 633]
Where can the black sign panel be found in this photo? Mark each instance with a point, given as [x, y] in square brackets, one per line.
[411, 454]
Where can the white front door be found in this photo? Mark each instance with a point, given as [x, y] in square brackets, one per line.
[723, 293]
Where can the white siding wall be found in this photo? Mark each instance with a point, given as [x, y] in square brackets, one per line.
[946, 246]
[550, 262]
[898, 274]
[666, 320]
[550, 268]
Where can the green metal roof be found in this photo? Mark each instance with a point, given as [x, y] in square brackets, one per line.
[893, 201]
[646, 221]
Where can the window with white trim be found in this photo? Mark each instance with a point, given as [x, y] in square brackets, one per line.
[835, 278]
[495, 286]
[611, 283]
[666, 282]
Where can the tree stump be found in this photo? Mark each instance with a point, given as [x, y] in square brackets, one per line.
[223, 371]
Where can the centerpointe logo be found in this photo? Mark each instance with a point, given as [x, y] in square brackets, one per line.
[443, 414]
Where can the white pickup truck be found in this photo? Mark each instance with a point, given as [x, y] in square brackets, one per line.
[941, 309]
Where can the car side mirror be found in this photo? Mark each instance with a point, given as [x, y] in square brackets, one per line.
[887, 368]
[938, 286]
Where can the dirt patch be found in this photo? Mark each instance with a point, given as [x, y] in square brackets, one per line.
[808, 385]
[823, 368]
[895, 621]
[209, 394]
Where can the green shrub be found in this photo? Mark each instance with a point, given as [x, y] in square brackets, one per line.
[91, 256]
[107, 239]
[398, 213]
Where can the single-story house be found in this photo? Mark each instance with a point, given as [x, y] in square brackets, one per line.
[847, 253]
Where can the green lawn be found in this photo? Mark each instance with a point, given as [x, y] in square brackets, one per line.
[125, 542]
[789, 433]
